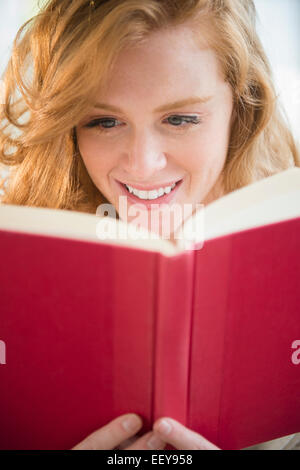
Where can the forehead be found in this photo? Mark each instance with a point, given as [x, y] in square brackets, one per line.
[171, 61]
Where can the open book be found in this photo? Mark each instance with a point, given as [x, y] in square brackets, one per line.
[91, 329]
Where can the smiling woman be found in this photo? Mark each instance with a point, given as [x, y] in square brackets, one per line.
[159, 100]
[169, 127]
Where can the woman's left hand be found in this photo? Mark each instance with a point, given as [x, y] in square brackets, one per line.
[181, 437]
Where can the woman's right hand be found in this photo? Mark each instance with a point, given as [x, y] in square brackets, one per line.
[120, 434]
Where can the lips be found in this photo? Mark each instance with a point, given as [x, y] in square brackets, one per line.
[140, 187]
[148, 203]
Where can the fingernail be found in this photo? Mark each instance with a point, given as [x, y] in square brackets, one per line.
[131, 423]
[155, 442]
[164, 427]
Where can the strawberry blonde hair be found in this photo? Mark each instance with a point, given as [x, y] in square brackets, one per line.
[62, 55]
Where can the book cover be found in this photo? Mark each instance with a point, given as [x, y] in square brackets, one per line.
[93, 330]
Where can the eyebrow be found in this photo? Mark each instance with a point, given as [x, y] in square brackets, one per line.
[165, 107]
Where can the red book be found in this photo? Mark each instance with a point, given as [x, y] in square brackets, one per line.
[91, 329]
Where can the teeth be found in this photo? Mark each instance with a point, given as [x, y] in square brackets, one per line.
[150, 194]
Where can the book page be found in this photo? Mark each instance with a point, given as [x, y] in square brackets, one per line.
[80, 226]
[267, 201]
[273, 199]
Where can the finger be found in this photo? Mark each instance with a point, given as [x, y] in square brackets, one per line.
[181, 437]
[148, 441]
[112, 434]
[126, 443]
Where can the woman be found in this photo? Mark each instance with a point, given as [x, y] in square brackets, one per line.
[120, 96]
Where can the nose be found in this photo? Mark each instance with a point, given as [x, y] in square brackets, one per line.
[144, 157]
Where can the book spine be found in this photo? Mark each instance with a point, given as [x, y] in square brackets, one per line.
[175, 283]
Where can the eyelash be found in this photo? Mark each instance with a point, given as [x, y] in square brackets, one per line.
[189, 120]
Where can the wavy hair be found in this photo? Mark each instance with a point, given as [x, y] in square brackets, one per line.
[61, 56]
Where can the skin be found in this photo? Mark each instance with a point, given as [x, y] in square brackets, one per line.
[115, 436]
[140, 145]
[144, 146]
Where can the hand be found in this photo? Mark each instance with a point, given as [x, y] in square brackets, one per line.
[120, 434]
[179, 436]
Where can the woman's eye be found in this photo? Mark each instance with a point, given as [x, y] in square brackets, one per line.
[177, 121]
[103, 124]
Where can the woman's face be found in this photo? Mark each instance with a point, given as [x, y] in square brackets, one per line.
[163, 118]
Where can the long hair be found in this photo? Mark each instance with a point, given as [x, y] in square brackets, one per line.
[61, 56]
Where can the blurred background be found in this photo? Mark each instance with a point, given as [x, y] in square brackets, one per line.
[278, 26]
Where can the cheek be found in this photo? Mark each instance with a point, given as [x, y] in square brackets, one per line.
[94, 155]
[191, 154]
[206, 150]
[215, 140]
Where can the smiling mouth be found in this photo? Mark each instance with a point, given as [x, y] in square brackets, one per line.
[152, 195]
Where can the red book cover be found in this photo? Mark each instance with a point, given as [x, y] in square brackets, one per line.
[93, 329]
[77, 319]
[204, 337]
[244, 386]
